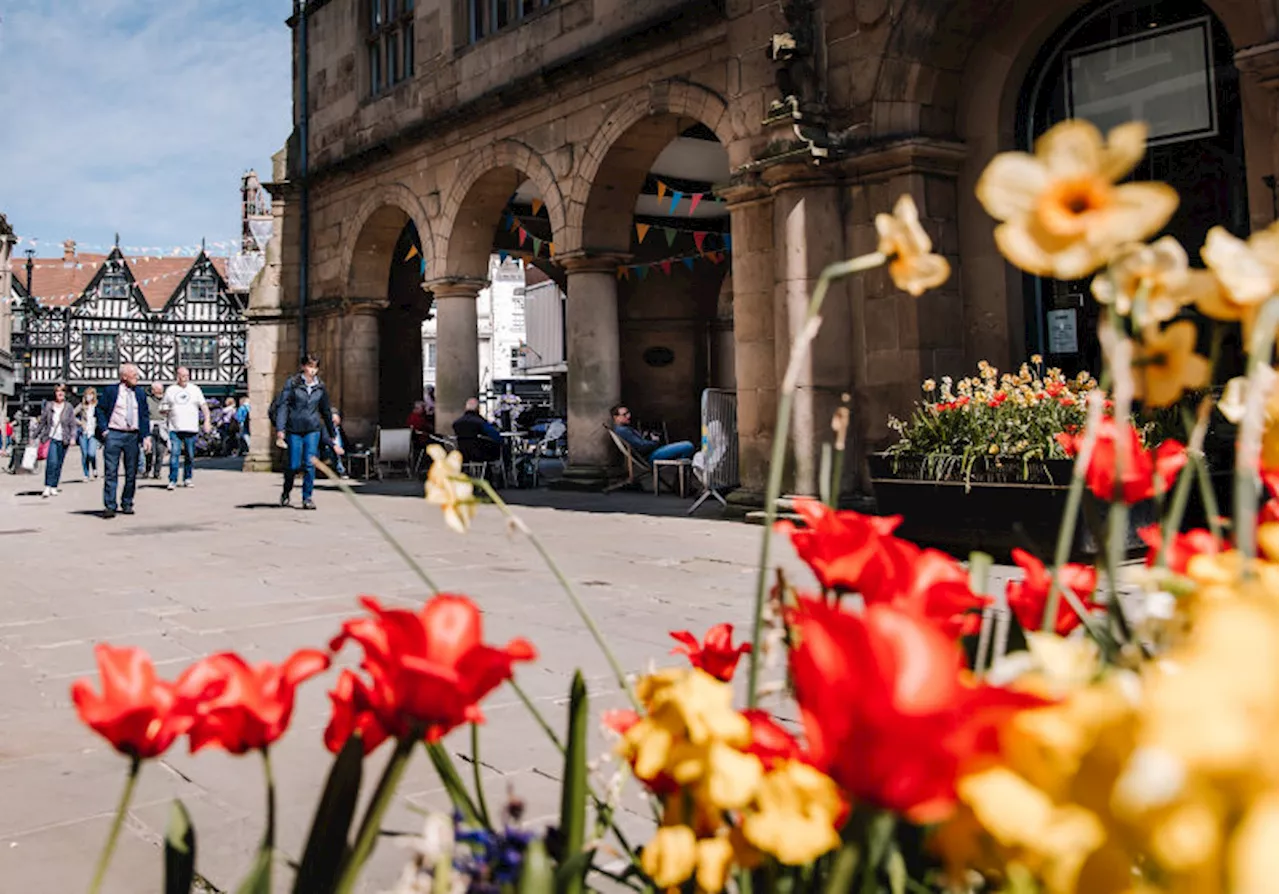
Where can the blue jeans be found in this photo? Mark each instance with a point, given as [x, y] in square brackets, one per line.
[53, 463]
[302, 449]
[88, 454]
[118, 445]
[183, 442]
[676, 450]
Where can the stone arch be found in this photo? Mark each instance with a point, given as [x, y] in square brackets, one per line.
[370, 237]
[481, 187]
[622, 150]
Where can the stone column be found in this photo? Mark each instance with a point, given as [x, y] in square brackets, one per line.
[808, 234]
[457, 351]
[1258, 105]
[359, 379]
[593, 356]
[751, 219]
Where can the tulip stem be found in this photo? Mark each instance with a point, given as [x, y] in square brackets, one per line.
[377, 526]
[778, 454]
[269, 837]
[1178, 505]
[371, 825]
[481, 804]
[578, 605]
[122, 808]
[1249, 436]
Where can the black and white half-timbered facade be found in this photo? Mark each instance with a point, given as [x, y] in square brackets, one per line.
[86, 315]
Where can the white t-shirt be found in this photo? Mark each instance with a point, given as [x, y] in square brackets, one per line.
[55, 433]
[183, 404]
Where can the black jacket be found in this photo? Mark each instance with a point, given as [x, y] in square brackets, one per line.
[301, 411]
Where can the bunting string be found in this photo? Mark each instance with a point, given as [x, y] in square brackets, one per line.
[666, 265]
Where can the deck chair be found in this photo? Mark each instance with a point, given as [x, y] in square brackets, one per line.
[394, 451]
[707, 462]
[636, 466]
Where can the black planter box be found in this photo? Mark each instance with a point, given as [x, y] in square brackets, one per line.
[1000, 507]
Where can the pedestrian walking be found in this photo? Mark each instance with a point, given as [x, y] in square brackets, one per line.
[123, 423]
[159, 431]
[183, 405]
[302, 412]
[87, 419]
[242, 418]
[56, 431]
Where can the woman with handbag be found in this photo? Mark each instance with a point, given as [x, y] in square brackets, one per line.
[86, 416]
[55, 432]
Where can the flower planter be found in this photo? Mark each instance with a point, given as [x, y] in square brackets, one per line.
[1002, 505]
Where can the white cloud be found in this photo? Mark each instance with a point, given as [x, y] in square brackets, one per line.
[138, 116]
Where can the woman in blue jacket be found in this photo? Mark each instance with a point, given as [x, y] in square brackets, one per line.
[302, 412]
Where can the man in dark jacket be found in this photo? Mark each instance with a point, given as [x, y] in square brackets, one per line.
[124, 426]
[478, 439]
[302, 412]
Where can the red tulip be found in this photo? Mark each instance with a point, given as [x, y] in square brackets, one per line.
[850, 551]
[429, 670]
[939, 591]
[1028, 597]
[255, 703]
[770, 741]
[1145, 472]
[1186, 544]
[886, 709]
[1271, 509]
[354, 710]
[138, 713]
[717, 655]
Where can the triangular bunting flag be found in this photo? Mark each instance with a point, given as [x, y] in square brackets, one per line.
[502, 255]
[676, 196]
[422, 266]
[622, 273]
[716, 256]
[536, 205]
[693, 202]
[523, 234]
[551, 249]
[642, 230]
[537, 246]
[688, 262]
[511, 223]
[666, 267]
[727, 240]
[413, 253]
[699, 237]
[670, 234]
[662, 190]
[642, 270]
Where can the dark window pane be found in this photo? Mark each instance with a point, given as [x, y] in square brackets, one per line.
[501, 12]
[375, 67]
[408, 50]
[393, 59]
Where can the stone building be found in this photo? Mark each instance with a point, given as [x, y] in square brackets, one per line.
[592, 125]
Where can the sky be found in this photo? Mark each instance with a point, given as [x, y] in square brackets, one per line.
[137, 117]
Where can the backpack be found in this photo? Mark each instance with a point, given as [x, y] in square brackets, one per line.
[275, 403]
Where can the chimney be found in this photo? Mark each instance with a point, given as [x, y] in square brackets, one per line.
[69, 251]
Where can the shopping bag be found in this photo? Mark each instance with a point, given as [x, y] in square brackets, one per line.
[43, 452]
[29, 458]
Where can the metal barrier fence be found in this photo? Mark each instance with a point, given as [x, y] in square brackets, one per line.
[716, 466]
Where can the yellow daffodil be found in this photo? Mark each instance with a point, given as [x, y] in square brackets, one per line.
[794, 814]
[1252, 861]
[1158, 275]
[1247, 273]
[1232, 405]
[913, 266]
[1063, 214]
[449, 489]
[1168, 364]
[670, 856]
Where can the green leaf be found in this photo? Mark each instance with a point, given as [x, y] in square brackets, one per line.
[843, 868]
[896, 868]
[258, 881]
[537, 876]
[454, 785]
[570, 872]
[331, 824]
[179, 851]
[573, 794]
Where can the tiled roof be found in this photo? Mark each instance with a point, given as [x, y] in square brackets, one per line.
[57, 283]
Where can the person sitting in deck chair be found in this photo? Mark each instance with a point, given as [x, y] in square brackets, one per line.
[642, 446]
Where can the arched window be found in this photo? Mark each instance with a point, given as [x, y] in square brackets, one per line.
[1166, 62]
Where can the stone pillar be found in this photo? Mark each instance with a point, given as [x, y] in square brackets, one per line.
[359, 378]
[808, 234]
[751, 220]
[457, 340]
[593, 356]
[1258, 88]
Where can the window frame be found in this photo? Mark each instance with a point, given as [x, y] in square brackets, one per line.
[113, 278]
[194, 360]
[485, 18]
[389, 51]
[92, 355]
[196, 289]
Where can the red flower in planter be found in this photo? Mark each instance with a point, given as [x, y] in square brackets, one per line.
[1185, 544]
[1028, 597]
[717, 655]
[887, 709]
[429, 669]
[354, 710]
[254, 702]
[137, 712]
[1145, 473]
[851, 551]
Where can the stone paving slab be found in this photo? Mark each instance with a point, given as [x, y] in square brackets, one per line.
[219, 566]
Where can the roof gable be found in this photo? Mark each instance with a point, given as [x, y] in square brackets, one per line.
[154, 281]
[112, 264]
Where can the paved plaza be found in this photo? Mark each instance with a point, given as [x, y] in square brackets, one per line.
[220, 566]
